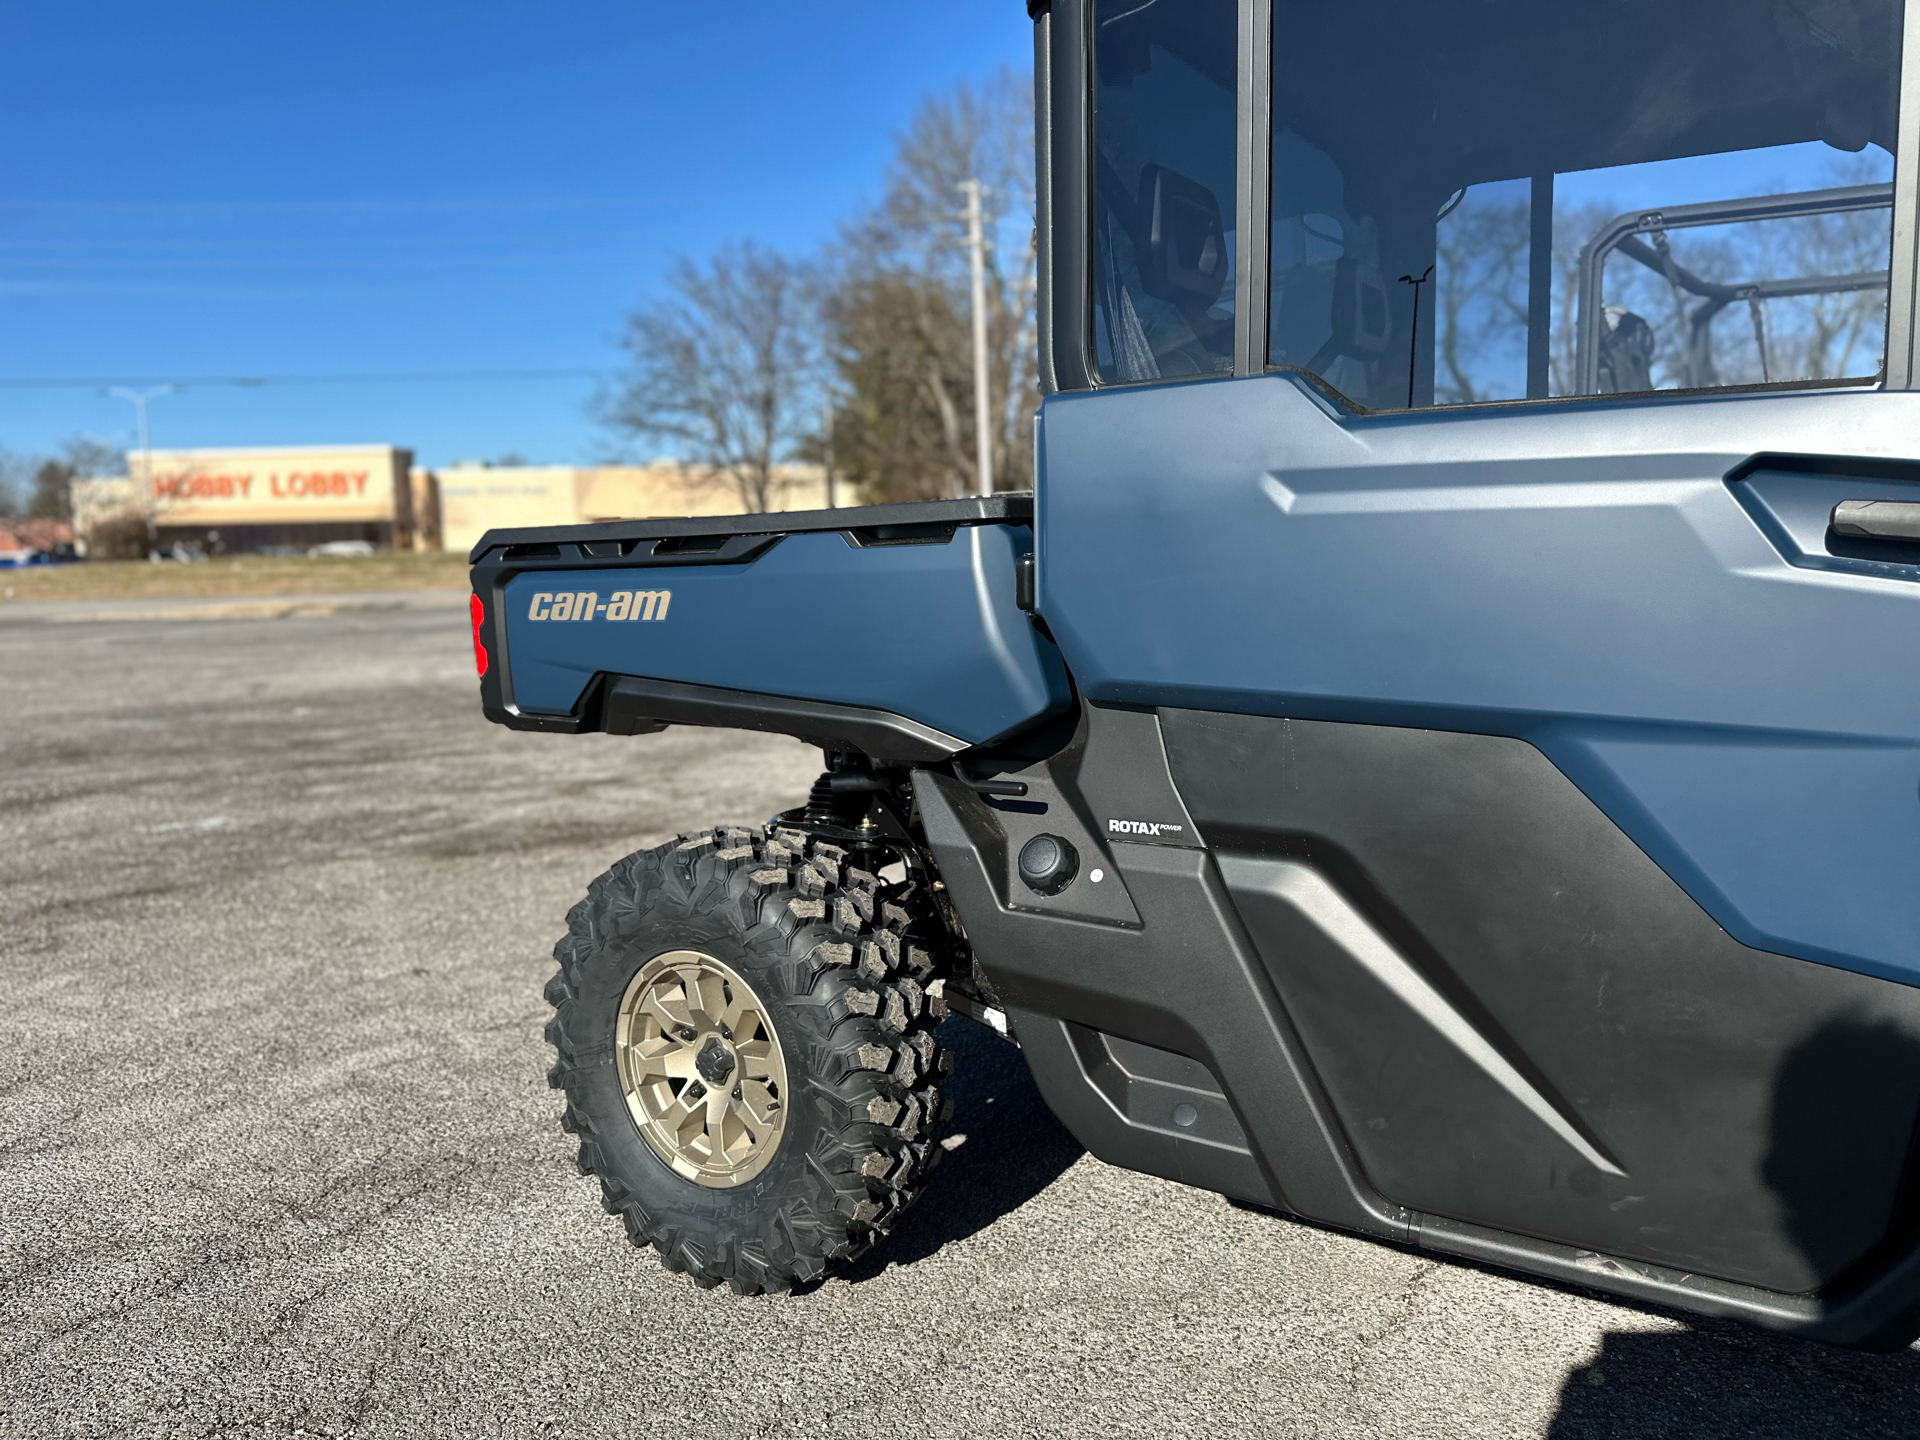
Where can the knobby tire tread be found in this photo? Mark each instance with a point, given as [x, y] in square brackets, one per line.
[853, 968]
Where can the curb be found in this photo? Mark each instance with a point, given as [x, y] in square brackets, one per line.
[236, 607]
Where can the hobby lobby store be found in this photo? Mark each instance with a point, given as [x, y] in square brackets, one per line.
[240, 500]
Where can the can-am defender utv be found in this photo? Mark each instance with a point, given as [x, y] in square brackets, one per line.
[1437, 753]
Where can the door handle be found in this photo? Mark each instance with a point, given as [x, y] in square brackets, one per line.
[1877, 519]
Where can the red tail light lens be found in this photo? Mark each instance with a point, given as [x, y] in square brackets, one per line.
[479, 614]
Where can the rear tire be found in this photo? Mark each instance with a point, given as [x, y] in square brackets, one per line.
[841, 969]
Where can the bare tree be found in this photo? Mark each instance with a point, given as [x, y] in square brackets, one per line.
[81, 458]
[1480, 299]
[1813, 337]
[1573, 227]
[896, 304]
[1807, 337]
[725, 369]
[89, 458]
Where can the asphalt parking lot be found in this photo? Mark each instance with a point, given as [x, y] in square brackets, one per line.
[277, 1154]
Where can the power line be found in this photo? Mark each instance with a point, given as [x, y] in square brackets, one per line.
[509, 204]
[390, 377]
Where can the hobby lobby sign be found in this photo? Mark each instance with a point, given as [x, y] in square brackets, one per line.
[296, 485]
[219, 487]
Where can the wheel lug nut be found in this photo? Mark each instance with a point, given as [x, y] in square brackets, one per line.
[736, 1092]
[688, 1033]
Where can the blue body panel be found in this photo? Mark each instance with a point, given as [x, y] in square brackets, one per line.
[1585, 576]
[928, 631]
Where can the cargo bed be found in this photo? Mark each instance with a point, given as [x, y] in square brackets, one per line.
[894, 630]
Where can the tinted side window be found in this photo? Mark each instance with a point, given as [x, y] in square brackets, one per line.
[1163, 224]
[1489, 199]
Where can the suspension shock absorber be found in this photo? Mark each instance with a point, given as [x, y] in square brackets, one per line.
[839, 796]
[841, 806]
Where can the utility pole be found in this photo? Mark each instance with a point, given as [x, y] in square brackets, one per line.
[140, 399]
[827, 425]
[982, 401]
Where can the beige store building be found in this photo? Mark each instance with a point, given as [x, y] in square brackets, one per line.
[248, 500]
[473, 499]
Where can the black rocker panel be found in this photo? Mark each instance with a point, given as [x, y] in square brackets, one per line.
[1524, 1023]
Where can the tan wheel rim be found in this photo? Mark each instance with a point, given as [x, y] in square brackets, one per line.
[702, 1069]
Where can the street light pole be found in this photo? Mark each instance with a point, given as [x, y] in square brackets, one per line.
[140, 399]
[982, 401]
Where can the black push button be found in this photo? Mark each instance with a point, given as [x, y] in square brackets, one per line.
[1048, 864]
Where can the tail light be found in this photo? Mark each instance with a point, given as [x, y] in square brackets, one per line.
[479, 614]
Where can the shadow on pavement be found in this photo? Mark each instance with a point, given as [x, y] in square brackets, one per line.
[1723, 1380]
[1844, 1109]
[1012, 1150]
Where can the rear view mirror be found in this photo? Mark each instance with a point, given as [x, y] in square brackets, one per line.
[1186, 242]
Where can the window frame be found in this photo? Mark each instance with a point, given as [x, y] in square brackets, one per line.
[1064, 148]
[1904, 263]
[1064, 225]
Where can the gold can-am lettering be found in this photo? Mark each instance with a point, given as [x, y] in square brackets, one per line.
[638, 604]
[586, 605]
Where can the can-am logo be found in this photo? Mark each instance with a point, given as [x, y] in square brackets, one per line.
[1152, 829]
[587, 605]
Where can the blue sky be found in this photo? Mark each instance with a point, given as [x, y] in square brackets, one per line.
[297, 188]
